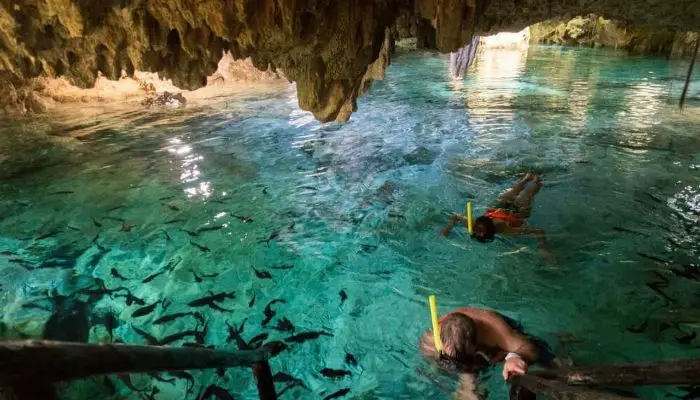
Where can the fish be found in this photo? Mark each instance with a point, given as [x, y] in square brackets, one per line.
[116, 274]
[640, 329]
[152, 394]
[269, 312]
[284, 377]
[96, 258]
[688, 272]
[217, 391]
[339, 393]
[130, 298]
[211, 300]
[262, 274]
[283, 267]
[274, 235]
[275, 347]
[48, 234]
[110, 323]
[242, 218]
[172, 317]
[396, 215]
[150, 339]
[335, 373]
[201, 248]
[221, 200]
[284, 325]
[166, 198]
[343, 296]
[210, 228]
[627, 230]
[73, 228]
[687, 339]
[172, 207]
[258, 340]
[143, 311]
[153, 276]
[159, 378]
[186, 376]
[7, 253]
[173, 221]
[178, 336]
[199, 279]
[96, 223]
[27, 265]
[115, 208]
[655, 287]
[234, 334]
[126, 380]
[62, 192]
[251, 303]
[191, 233]
[350, 359]
[265, 190]
[126, 227]
[167, 236]
[304, 336]
[35, 306]
[654, 258]
[116, 219]
[368, 248]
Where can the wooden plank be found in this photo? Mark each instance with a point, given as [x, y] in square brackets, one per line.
[555, 390]
[679, 372]
[50, 361]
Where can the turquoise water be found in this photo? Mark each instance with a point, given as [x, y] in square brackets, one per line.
[356, 208]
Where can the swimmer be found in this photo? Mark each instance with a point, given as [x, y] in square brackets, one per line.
[475, 338]
[508, 216]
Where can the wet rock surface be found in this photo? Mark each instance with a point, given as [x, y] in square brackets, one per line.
[329, 48]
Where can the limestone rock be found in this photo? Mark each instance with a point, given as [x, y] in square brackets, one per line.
[328, 47]
[595, 31]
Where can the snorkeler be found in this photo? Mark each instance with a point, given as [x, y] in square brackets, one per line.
[508, 216]
[474, 338]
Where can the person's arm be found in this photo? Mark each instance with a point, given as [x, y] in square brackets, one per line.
[520, 351]
[453, 220]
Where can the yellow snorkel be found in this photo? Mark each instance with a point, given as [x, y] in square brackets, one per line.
[468, 213]
[436, 323]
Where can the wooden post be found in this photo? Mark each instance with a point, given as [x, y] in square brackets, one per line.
[680, 372]
[263, 378]
[690, 73]
[555, 390]
[48, 361]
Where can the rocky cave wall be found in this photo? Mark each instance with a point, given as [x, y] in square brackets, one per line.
[596, 31]
[332, 49]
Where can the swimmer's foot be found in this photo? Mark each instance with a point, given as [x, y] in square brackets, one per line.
[529, 176]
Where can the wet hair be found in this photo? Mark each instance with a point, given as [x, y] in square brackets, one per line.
[458, 334]
[484, 229]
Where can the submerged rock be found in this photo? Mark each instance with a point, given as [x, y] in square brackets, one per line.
[420, 156]
[166, 99]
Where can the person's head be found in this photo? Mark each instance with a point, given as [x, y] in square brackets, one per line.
[484, 229]
[458, 334]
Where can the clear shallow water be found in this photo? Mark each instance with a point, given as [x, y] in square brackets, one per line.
[357, 207]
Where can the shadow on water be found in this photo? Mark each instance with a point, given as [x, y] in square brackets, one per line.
[245, 222]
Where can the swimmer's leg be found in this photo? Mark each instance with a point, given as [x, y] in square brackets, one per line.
[527, 197]
[453, 220]
[511, 194]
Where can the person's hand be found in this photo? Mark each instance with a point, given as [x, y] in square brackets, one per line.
[514, 366]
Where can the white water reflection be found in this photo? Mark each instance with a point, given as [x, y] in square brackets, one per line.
[190, 172]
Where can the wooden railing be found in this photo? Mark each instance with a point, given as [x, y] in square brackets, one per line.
[33, 365]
